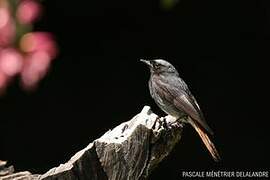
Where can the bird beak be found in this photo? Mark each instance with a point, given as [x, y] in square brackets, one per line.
[147, 62]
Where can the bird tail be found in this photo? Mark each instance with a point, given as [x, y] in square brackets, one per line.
[206, 140]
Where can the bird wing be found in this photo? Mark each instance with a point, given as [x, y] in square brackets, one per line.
[176, 91]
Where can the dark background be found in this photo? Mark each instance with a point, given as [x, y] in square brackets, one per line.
[219, 47]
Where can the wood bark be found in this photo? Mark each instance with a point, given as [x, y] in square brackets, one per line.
[130, 151]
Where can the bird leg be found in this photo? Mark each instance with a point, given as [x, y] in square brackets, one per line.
[179, 122]
[155, 123]
[175, 124]
[163, 122]
[169, 122]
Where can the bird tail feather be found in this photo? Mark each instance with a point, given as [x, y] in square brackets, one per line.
[206, 140]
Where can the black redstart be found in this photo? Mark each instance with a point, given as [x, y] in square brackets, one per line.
[172, 95]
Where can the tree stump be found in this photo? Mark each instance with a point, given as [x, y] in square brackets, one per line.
[130, 151]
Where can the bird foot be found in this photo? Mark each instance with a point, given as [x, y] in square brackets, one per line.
[175, 124]
[157, 121]
[163, 122]
[172, 122]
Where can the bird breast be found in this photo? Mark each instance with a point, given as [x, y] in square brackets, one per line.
[164, 104]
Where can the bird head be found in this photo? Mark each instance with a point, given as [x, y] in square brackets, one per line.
[160, 66]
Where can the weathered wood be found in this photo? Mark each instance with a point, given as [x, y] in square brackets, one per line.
[130, 151]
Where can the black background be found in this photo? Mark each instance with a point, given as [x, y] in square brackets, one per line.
[219, 47]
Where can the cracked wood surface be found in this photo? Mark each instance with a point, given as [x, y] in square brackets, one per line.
[130, 151]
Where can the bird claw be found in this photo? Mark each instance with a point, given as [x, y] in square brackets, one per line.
[165, 124]
[172, 124]
[175, 124]
[155, 123]
[162, 122]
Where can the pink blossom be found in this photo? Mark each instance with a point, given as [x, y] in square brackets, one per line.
[11, 62]
[28, 11]
[4, 16]
[32, 59]
[35, 68]
[3, 82]
[39, 41]
[7, 27]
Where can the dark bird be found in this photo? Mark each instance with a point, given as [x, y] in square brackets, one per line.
[173, 96]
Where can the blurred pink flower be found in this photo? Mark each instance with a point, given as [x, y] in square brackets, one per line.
[4, 16]
[11, 62]
[7, 27]
[32, 59]
[39, 41]
[28, 11]
[3, 82]
[3, 79]
[35, 67]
